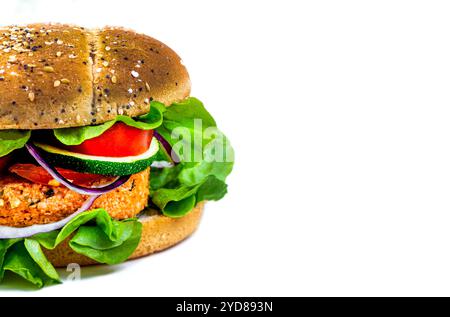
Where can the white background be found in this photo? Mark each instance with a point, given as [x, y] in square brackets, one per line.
[339, 112]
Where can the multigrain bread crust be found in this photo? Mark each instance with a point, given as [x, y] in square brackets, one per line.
[56, 76]
[158, 233]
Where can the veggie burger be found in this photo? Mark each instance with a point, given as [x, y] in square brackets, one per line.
[104, 157]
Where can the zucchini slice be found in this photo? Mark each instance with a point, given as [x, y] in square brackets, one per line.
[113, 166]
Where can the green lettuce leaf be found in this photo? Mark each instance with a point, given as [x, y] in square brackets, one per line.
[11, 140]
[206, 159]
[211, 189]
[4, 246]
[93, 234]
[19, 261]
[96, 245]
[34, 249]
[108, 241]
[77, 135]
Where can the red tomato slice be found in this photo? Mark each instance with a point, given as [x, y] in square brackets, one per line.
[37, 174]
[118, 141]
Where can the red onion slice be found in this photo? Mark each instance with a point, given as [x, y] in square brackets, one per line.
[167, 147]
[119, 181]
[7, 232]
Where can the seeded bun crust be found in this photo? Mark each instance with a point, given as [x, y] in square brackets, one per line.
[55, 76]
[158, 233]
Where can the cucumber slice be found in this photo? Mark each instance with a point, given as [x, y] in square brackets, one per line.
[114, 166]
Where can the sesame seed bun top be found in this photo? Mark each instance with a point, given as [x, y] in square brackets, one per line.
[56, 76]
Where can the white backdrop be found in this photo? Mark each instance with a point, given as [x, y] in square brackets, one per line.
[339, 114]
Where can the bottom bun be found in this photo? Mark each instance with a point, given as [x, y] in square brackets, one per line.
[158, 233]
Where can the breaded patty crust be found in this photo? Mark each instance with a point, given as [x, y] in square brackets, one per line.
[23, 203]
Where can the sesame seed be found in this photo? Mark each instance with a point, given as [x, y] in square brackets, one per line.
[114, 79]
[135, 74]
[146, 100]
[107, 48]
[120, 111]
[65, 81]
[12, 59]
[48, 43]
[147, 86]
[105, 63]
[59, 42]
[49, 69]
[31, 96]
[58, 54]
[98, 70]
[72, 56]
[56, 83]
[130, 91]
